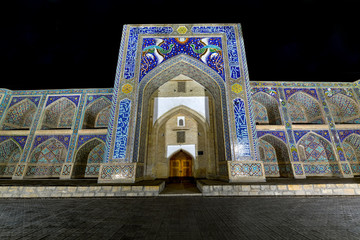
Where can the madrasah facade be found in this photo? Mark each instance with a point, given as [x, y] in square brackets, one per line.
[182, 106]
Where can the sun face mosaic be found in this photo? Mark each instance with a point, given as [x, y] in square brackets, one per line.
[157, 50]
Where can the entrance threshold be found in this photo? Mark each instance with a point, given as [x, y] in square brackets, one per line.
[180, 187]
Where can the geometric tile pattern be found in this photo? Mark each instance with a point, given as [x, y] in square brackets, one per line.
[75, 99]
[97, 113]
[50, 151]
[85, 138]
[64, 139]
[279, 134]
[267, 152]
[272, 107]
[10, 154]
[124, 171]
[304, 108]
[344, 133]
[245, 169]
[298, 134]
[268, 156]
[21, 140]
[261, 115]
[321, 169]
[271, 91]
[291, 91]
[91, 98]
[96, 155]
[351, 146]
[89, 156]
[323, 133]
[343, 108]
[316, 149]
[59, 114]
[20, 115]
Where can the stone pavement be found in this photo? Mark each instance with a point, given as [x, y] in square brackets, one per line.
[183, 218]
[42, 188]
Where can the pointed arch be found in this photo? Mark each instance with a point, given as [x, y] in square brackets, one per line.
[20, 115]
[88, 158]
[158, 152]
[304, 108]
[10, 154]
[197, 71]
[97, 114]
[59, 114]
[277, 164]
[268, 106]
[46, 159]
[344, 109]
[180, 109]
[351, 146]
[317, 155]
[51, 151]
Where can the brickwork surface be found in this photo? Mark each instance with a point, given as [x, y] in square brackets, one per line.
[45, 189]
[181, 218]
[281, 188]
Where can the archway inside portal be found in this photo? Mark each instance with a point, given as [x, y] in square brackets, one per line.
[212, 85]
[178, 121]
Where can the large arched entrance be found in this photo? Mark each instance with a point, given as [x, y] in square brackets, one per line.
[213, 88]
[180, 121]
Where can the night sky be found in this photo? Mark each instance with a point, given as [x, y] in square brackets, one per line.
[58, 44]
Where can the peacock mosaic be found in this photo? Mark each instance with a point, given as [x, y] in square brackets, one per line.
[248, 131]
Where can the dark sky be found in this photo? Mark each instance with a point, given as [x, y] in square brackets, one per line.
[58, 44]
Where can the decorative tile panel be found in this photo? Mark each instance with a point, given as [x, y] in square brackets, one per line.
[122, 129]
[242, 147]
[157, 50]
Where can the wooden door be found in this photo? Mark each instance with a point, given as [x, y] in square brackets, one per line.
[181, 165]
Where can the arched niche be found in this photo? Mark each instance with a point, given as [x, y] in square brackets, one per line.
[46, 159]
[344, 109]
[10, 153]
[59, 114]
[88, 159]
[20, 115]
[275, 155]
[161, 147]
[266, 109]
[304, 108]
[318, 156]
[351, 146]
[200, 73]
[97, 114]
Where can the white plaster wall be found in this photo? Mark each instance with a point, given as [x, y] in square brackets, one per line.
[164, 104]
[190, 148]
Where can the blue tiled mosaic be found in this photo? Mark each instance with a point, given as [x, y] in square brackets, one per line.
[243, 144]
[122, 129]
[158, 50]
[74, 98]
[134, 32]
[233, 55]
[21, 140]
[16, 100]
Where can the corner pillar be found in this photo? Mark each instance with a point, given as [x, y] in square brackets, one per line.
[344, 165]
[297, 167]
